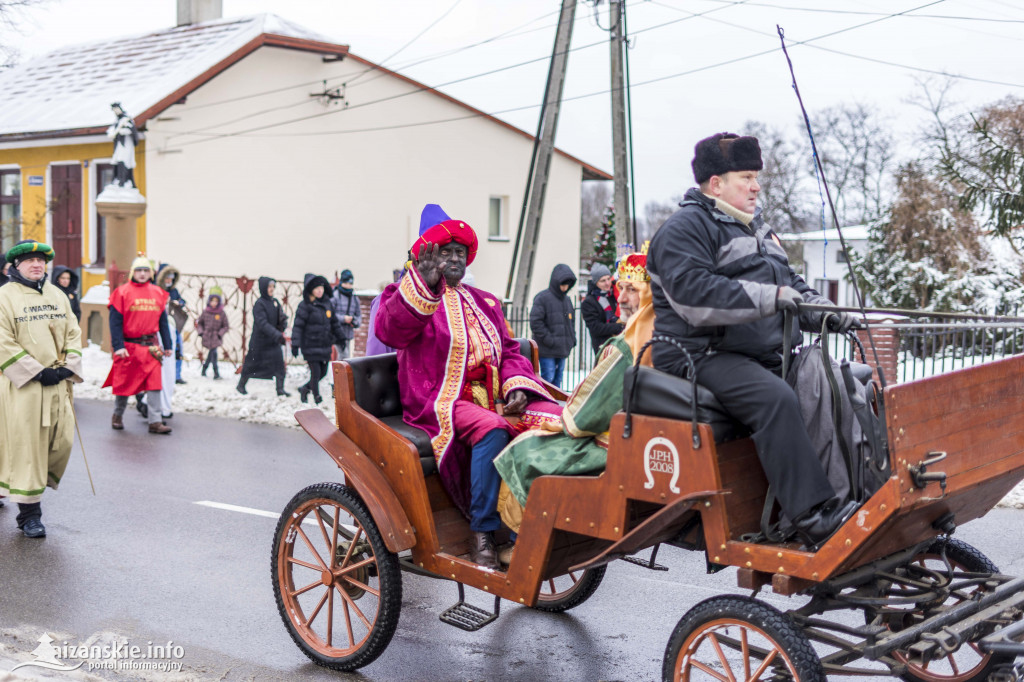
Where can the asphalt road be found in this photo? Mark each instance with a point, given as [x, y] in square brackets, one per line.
[143, 561]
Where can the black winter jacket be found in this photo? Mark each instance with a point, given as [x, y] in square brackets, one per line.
[602, 325]
[551, 318]
[71, 290]
[265, 359]
[316, 327]
[714, 282]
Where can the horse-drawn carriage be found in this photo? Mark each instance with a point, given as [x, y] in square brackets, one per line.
[679, 473]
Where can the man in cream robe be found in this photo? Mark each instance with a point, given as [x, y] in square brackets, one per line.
[40, 354]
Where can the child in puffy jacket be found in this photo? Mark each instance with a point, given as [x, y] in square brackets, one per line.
[212, 325]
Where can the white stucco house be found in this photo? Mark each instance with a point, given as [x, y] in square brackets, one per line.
[267, 149]
[825, 266]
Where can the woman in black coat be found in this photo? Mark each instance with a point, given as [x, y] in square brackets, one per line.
[265, 359]
[69, 285]
[315, 330]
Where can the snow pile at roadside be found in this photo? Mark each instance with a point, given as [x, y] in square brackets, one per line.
[204, 395]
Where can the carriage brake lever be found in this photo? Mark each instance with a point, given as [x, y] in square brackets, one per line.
[920, 475]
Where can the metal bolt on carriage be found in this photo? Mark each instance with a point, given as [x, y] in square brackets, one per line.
[891, 593]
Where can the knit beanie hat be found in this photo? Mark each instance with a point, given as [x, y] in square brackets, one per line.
[597, 271]
[346, 276]
[724, 153]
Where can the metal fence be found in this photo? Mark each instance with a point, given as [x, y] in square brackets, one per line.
[929, 347]
[580, 360]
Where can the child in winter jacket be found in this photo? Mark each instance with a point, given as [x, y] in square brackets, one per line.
[315, 330]
[212, 325]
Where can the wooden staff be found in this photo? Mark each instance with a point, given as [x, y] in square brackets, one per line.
[61, 354]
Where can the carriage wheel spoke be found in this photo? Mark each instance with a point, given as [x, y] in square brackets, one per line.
[330, 617]
[305, 589]
[721, 656]
[354, 567]
[300, 562]
[316, 611]
[764, 665]
[348, 624]
[952, 664]
[323, 531]
[365, 588]
[551, 584]
[302, 534]
[697, 664]
[745, 650]
[351, 546]
[351, 603]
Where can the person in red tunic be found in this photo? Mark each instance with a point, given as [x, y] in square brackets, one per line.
[137, 316]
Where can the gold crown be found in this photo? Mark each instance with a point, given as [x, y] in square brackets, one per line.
[633, 268]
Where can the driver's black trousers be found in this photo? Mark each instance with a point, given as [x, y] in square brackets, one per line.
[757, 398]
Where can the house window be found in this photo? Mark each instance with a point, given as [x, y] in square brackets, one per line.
[840, 256]
[496, 219]
[829, 288]
[10, 208]
[104, 176]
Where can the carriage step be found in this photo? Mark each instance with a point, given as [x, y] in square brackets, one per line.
[649, 563]
[468, 617]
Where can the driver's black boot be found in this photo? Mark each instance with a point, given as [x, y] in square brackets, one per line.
[821, 522]
[482, 551]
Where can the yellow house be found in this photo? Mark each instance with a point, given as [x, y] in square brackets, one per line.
[258, 135]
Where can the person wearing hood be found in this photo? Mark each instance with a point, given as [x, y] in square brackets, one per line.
[40, 352]
[346, 308]
[598, 308]
[140, 338]
[553, 325]
[265, 360]
[67, 281]
[211, 326]
[167, 278]
[315, 329]
[4, 268]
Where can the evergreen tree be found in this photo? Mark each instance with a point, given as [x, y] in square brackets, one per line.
[604, 241]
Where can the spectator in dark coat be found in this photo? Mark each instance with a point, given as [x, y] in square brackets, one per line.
[4, 267]
[265, 359]
[211, 326]
[315, 330]
[346, 308]
[67, 281]
[598, 307]
[552, 324]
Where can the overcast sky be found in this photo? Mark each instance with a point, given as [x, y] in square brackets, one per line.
[672, 109]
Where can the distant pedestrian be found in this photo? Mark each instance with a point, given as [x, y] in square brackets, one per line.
[346, 307]
[553, 325]
[598, 307]
[265, 359]
[211, 326]
[67, 281]
[40, 353]
[4, 267]
[167, 279]
[140, 337]
[314, 330]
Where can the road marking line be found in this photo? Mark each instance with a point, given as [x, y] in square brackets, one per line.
[236, 508]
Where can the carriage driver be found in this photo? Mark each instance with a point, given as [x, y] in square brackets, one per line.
[720, 281]
[457, 364]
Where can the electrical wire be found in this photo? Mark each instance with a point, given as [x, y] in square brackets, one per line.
[824, 10]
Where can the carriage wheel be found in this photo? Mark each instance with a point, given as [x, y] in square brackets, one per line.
[739, 639]
[968, 663]
[568, 591]
[338, 588]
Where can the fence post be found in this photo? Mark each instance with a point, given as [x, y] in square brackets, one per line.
[887, 345]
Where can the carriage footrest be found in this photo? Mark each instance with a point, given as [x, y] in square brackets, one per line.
[468, 617]
[647, 563]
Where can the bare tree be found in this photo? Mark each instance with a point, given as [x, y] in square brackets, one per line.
[10, 16]
[595, 198]
[785, 194]
[655, 215]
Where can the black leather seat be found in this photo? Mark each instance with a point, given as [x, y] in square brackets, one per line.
[660, 394]
[376, 391]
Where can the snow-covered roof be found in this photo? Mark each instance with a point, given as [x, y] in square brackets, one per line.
[851, 233]
[72, 88]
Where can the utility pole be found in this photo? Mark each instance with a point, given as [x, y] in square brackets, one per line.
[540, 164]
[620, 167]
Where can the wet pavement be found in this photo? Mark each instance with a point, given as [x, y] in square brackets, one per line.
[142, 561]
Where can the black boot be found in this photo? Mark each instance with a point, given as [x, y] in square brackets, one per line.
[280, 386]
[816, 526]
[141, 406]
[30, 519]
[482, 550]
[303, 393]
[241, 387]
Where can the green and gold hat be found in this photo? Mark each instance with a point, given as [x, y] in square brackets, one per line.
[29, 246]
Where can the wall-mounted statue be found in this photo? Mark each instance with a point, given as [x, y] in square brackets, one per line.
[125, 136]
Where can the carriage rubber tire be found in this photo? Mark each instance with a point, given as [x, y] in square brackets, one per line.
[973, 560]
[389, 575]
[772, 622]
[575, 595]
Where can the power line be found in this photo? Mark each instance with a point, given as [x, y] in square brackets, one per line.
[824, 10]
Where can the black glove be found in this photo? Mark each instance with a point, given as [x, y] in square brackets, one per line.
[48, 377]
[841, 322]
[788, 299]
[64, 373]
[295, 351]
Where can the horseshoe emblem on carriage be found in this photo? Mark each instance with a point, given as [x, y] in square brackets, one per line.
[661, 456]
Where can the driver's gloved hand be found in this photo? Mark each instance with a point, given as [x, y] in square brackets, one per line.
[788, 299]
[841, 322]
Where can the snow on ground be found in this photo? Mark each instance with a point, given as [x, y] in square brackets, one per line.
[204, 395]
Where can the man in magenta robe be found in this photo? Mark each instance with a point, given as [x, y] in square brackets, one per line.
[457, 365]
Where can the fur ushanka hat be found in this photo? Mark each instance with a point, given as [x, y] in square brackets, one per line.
[724, 153]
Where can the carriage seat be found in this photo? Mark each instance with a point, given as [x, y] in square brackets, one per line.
[659, 394]
[376, 390]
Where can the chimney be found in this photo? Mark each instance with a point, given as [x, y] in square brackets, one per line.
[198, 11]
